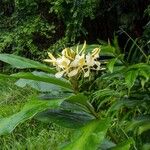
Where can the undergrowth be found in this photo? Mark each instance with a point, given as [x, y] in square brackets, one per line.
[32, 134]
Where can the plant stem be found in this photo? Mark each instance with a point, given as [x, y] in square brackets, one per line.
[75, 84]
[127, 137]
[135, 44]
[112, 136]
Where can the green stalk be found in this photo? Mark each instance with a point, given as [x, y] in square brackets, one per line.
[75, 84]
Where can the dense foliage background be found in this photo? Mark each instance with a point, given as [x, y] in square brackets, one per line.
[30, 27]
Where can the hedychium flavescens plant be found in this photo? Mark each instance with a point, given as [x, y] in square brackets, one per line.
[65, 86]
[76, 64]
[98, 99]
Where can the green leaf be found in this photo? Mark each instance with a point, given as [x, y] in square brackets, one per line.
[65, 118]
[146, 146]
[22, 63]
[142, 124]
[140, 66]
[144, 74]
[105, 93]
[90, 136]
[116, 45]
[130, 78]
[54, 95]
[125, 102]
[90, 47]
[125, 145]
[110, 64]
[107, 145]
[34, 106]
[39, 85]
[44, 77]
[74, 107]
[144, 127]
[4, 76]
[107, 50]
[78, 98]
[118, 72]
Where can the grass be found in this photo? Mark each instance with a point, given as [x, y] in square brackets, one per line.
[31, 135]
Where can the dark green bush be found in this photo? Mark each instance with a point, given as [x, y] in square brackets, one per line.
[28, 27]
[31, 27]
[24, 31]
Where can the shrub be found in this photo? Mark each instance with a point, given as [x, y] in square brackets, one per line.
[107, 102]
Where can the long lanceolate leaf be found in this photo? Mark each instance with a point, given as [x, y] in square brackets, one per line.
[74, 120]
[142, 124]
[41, 76]
[130, 78]
[23, 63]
[140, 66]
[90, 136]
[30, 109]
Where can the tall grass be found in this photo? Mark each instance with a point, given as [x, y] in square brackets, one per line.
[31, 135]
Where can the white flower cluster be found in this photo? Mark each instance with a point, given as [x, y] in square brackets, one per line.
[72, 63]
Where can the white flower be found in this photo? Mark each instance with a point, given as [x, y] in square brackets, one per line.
[68, 53]
[52, 60]
[79, 61]
[73, 72]
[59, 74]
[63, 62]
[89, 60]
[72, 63]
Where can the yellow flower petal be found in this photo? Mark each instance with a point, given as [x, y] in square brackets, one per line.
[95, 53]
[68, 53]
[51, 56]
[64, 52]
[71, 54]
[51, 60]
